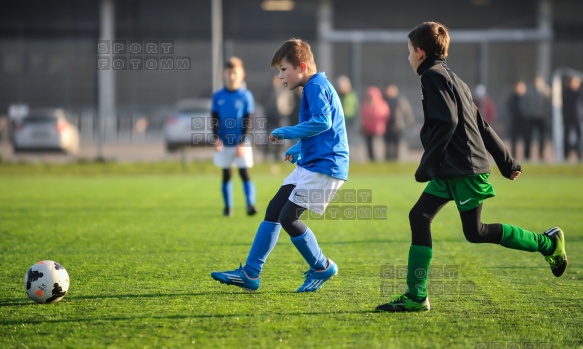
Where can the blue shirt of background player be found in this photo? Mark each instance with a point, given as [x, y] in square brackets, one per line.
[232, 107]
[323, 143]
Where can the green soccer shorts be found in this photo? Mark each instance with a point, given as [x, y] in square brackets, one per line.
[468, 192]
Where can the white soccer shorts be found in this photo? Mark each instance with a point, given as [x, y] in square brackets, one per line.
[228, 155]
[313, 190]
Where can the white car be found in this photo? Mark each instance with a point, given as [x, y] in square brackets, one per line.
[189, 124]
[46, 129]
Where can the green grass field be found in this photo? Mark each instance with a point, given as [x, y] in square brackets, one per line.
[139, 242]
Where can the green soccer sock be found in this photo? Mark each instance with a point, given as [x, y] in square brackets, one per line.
[519, 239]
[417, 271]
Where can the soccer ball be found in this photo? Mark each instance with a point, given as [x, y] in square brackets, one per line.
[46, 282]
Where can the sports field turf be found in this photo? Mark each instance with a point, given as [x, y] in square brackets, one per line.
[139, 243]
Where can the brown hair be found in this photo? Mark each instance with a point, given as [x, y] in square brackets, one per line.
[295, 51]
[234, 62]
[431, 37]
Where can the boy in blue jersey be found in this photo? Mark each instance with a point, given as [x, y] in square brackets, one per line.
[232, 109]
[321, 154]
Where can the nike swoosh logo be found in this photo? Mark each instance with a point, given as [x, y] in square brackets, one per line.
[465, 202]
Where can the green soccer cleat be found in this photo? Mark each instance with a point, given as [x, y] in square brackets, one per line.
[558, 260]
[404, 303]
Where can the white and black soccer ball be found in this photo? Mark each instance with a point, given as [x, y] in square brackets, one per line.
[46, 282]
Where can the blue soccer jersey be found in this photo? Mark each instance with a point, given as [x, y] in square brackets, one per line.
[322, 132]
[231, 107]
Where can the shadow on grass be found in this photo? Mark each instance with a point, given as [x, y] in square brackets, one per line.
[378, 241]
[71, 298]
[179, 317]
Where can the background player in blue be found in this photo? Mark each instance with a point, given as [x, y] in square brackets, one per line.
[321, 155]
[232, 109]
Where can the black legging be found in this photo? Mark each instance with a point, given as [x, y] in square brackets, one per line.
[369, 140]
[474, 230]
[568, 146]
[227, 173]
[531, 126]
[281, 210]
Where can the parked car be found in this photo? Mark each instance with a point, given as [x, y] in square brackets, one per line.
[188, 124]
[46, 129]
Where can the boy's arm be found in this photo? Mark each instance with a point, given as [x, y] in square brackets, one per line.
[214, 115]
[441, 119]
[247, 125]
[318, 98]
[496, 148]
[247, 116]
[317, 124]
[215, 123]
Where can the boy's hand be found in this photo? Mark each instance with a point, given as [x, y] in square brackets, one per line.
[275, 138]
[219, 145]
[239, 151]
[277, 135]
[292, 156]
[514, 175]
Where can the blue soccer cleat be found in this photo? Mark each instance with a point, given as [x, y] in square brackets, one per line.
[316, 278]
[237, 277]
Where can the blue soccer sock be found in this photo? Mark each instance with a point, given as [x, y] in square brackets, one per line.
[265, 240]
[249, 190]
[227, 190]
[309, 249]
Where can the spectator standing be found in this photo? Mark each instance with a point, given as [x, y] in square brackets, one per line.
[485, 104]
[516, 117]
[350, 104]
[281, 104]
[536, 109]
[572, 96]
[401, 117]
[374, 114]
[294, 117]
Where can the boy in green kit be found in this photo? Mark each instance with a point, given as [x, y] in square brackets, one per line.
[456, 142]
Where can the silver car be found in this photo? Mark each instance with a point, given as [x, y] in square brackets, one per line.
[46, 129]
[189, 124]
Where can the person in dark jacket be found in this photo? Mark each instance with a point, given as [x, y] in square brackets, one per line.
[516, 117]
[536, 111]
[456, 142]
[402, 117]
[572, 94]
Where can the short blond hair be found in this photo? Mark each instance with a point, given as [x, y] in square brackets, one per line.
[295, 51]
